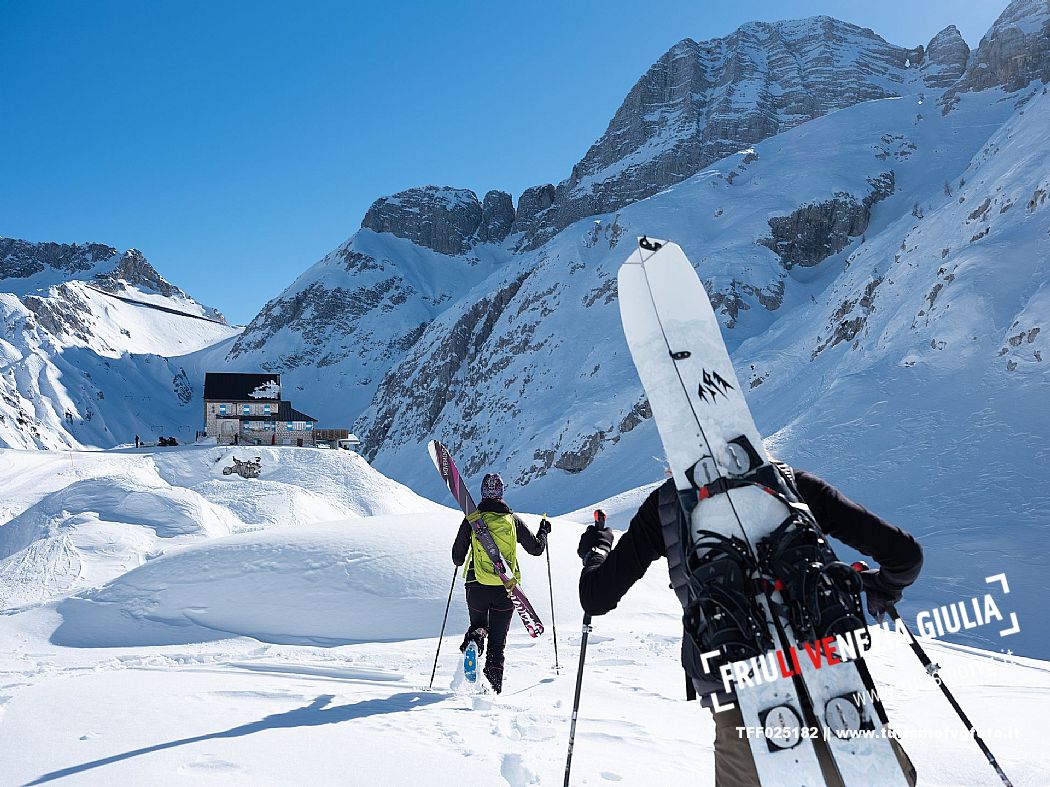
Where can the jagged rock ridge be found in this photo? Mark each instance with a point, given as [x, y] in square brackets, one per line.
[703, 101]
[447, 220]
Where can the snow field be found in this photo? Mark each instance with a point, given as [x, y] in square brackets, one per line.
[300, 653]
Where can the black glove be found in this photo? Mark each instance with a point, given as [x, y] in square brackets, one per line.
[881, 594]
[595, 544]
[545, 525]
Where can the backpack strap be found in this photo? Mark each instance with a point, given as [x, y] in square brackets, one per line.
[787, 472]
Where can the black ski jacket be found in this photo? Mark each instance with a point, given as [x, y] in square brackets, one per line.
[604, 582]
[533, 544]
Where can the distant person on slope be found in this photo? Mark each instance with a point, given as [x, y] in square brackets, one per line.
[487, 601]
[609, 573]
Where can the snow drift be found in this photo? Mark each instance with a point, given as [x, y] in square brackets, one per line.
[375, 579]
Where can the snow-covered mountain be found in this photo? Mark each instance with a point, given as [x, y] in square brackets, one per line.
[342, 325]
[870, 220]
[91, 345]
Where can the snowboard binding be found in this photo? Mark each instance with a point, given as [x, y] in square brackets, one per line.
[822, 594]
[724, 616]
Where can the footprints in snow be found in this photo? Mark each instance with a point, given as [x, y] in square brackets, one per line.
[515, 771]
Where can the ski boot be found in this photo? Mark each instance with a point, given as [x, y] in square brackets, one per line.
[494, 675]
[473, 646]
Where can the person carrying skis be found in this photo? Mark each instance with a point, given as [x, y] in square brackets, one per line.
[608, 573]
[489, 606]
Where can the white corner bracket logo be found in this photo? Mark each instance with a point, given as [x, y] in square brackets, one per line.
[1016, 626]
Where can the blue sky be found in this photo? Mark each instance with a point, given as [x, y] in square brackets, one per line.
[236, 143]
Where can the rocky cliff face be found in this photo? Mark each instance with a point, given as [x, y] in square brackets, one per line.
[945, 58]
[497, 217]
[447, 220]
[815, 231]
[20, 259]
[1014, 52]
[704, 100]
[134, 270]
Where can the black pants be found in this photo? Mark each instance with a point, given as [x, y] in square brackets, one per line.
[490, 608]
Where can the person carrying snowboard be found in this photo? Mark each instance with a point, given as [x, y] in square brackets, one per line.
[608, 573]
[489, 606]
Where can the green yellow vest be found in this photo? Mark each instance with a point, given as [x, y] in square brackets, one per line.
[505, 533]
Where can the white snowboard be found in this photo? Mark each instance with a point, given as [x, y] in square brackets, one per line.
[700, 412]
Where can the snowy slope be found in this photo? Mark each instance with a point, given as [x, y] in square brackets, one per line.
[98, 515]
[528, 395]
[878, 269]
[338, 328]
[299, 654]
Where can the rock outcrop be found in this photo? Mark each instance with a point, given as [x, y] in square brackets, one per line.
[497, 216]
[1015, 51]
[20, 259]
[533, 203]
[816, 231]
[945, 58]
[447, 220]
[704, 100]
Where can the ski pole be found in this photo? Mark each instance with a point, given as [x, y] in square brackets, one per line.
[550, 585]
[599, 522]
[576, 700]
[441, 636]
[933, 670]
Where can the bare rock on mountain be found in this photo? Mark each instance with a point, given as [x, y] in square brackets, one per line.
[532, 205]
[945, 58]
[447, 220]
[63, 314]
[432, 376]
[703, 101]
[497, 216]
[1015, 51]
[20, 259]
[816, 231]
[439, 218]
[133, 269]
